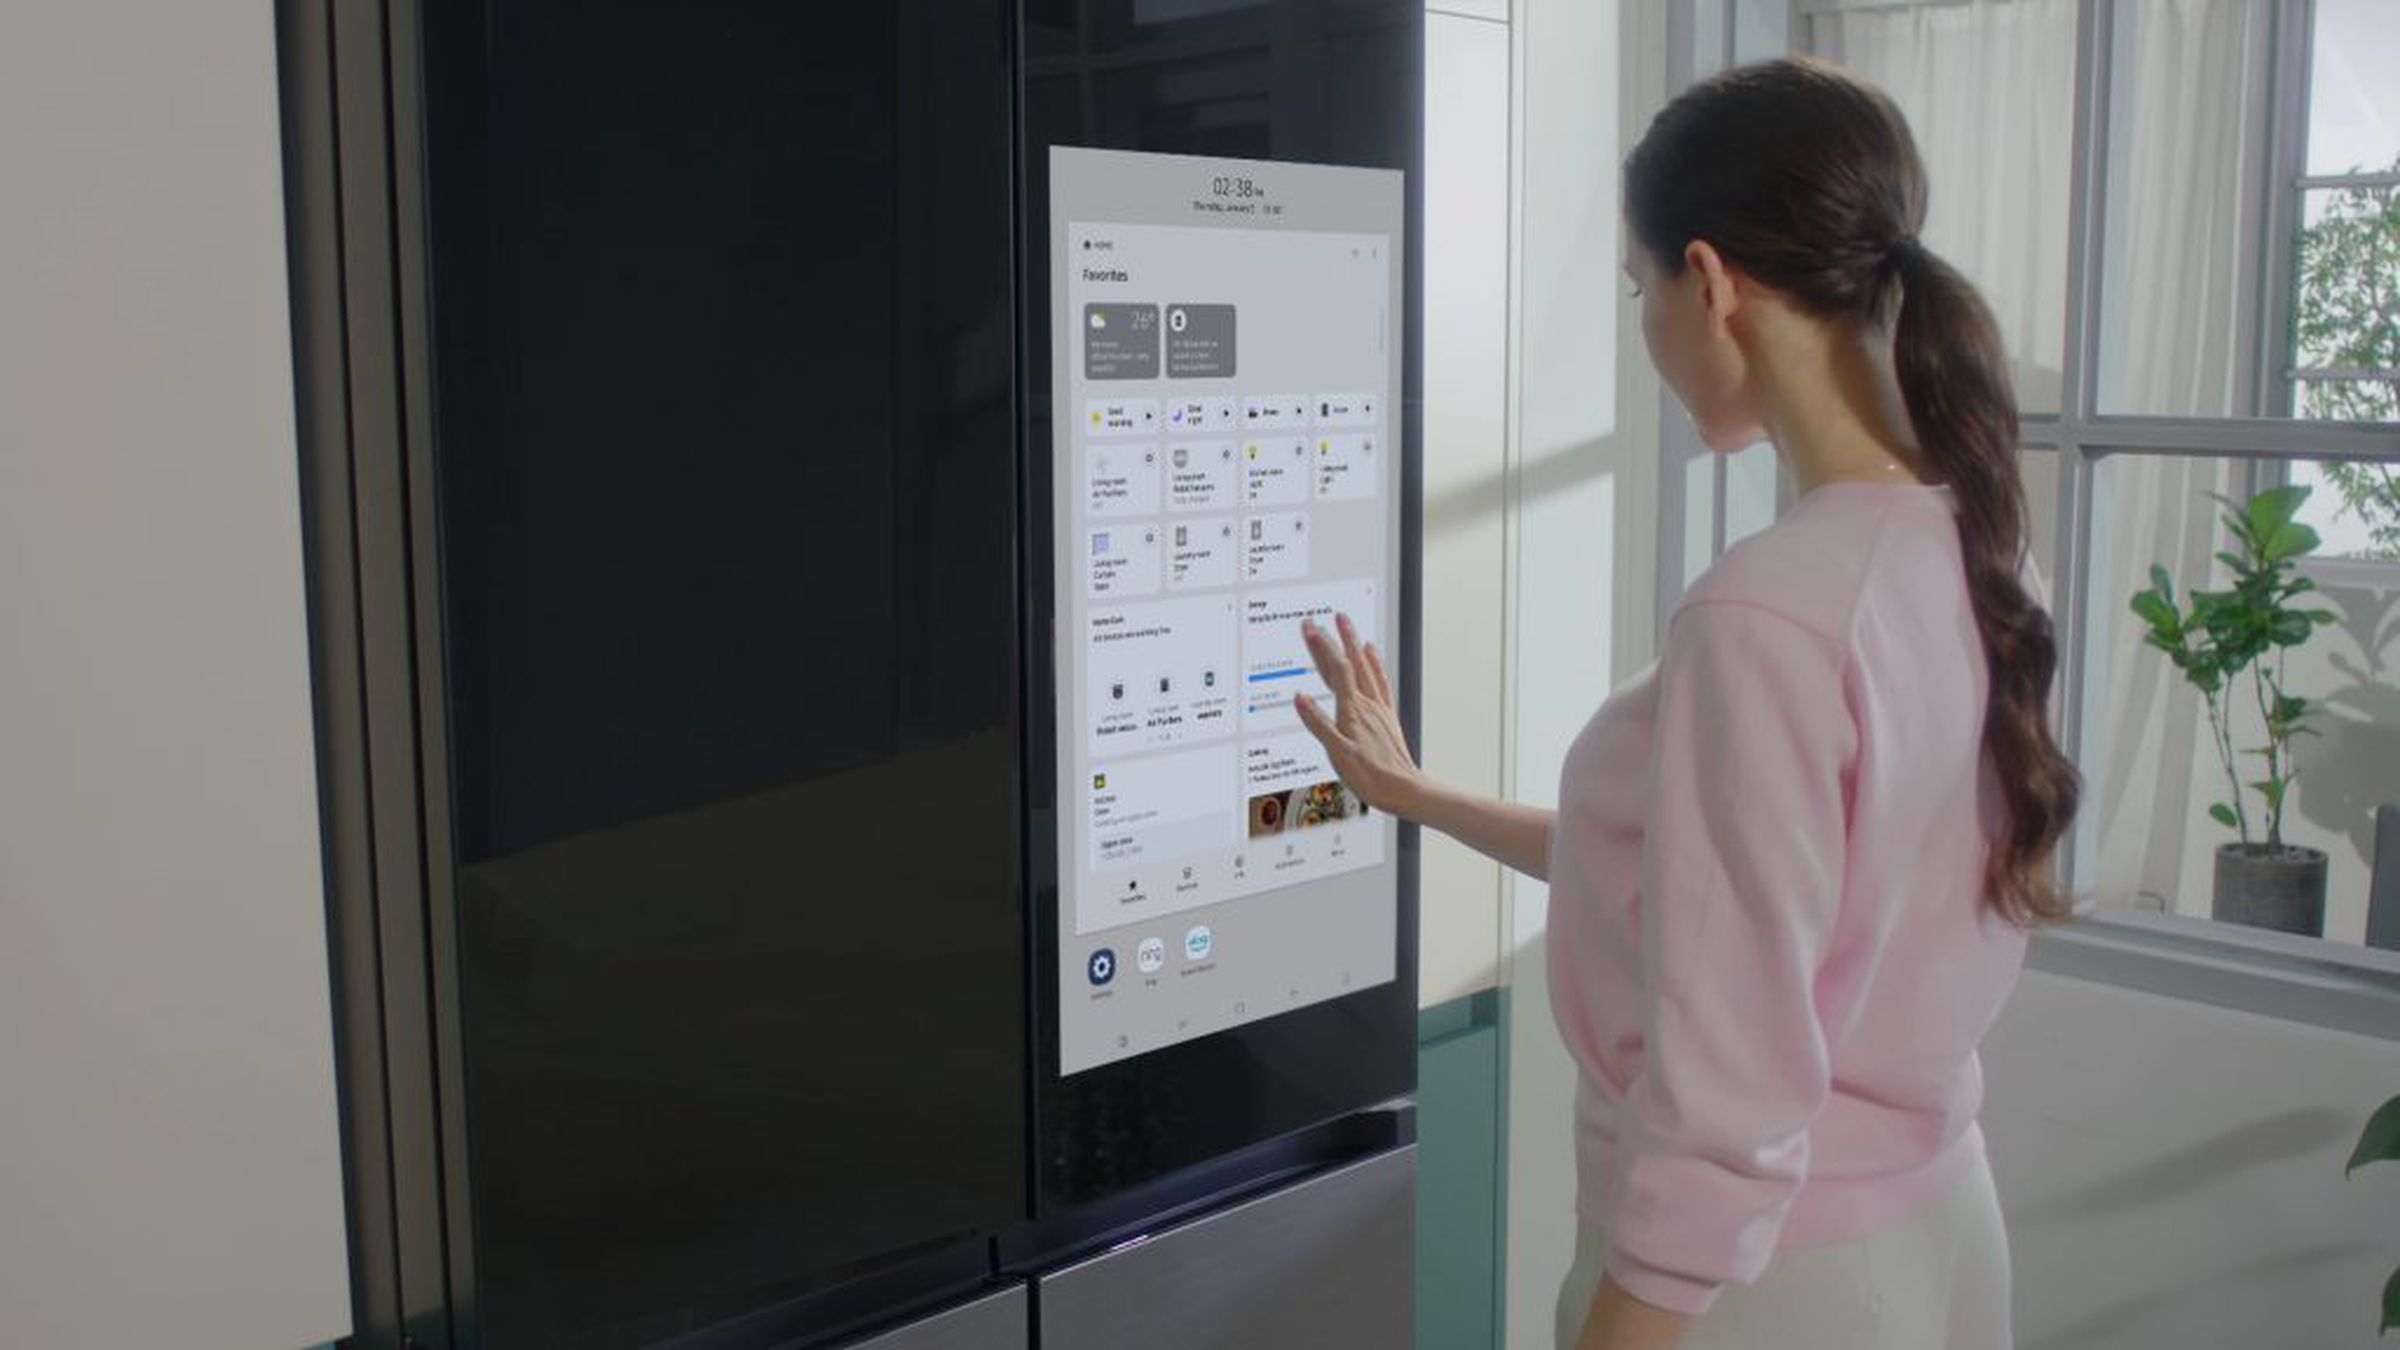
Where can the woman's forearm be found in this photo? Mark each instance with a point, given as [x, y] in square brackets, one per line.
[1516, 836]
[1619, 1321]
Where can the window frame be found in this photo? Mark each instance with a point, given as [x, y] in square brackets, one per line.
[2310, 980]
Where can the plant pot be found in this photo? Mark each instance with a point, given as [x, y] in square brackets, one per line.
[2282, 889]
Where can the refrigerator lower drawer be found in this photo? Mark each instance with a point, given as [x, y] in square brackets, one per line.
[1324, 1264]
[995, 1322]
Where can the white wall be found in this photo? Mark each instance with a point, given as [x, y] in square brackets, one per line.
[170, 1168]
[2172, 1173]
[1465, 320]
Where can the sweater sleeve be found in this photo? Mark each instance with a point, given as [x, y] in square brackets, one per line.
[1742, 878]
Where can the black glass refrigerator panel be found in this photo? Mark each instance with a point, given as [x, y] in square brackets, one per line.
[1311, 81]
[722, 319]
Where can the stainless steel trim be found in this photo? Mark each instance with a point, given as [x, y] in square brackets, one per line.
[413, 285]
[387, 660]
[1001, 1321]
[304, 51]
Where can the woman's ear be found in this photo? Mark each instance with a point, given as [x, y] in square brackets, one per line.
[1720, 295]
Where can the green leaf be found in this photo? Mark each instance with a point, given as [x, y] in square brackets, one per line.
[2274, 508]
[2154, 610]
[2322, 618]
[2380, 1140]
[2223, 815]
[2391, 1304]
[2288, 540]
[2163, 584]
[2234, 561]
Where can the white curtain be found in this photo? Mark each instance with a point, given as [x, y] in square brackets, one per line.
[1988, 90]
[2181, 247]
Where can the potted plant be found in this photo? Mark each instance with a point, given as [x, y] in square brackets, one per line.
[2380, 1142]
[2232, 642]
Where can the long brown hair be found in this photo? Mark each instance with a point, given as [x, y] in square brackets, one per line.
[1808, 180]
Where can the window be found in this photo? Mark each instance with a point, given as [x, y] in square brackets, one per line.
[2186, 216]
[2346, 270]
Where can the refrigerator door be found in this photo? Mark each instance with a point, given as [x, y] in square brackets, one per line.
[727, 650]
[1326, 1264]
[1223, 82]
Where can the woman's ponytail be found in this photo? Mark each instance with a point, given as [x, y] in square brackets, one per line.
[1946, 351]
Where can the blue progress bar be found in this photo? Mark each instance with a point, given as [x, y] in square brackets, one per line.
[1265, 675]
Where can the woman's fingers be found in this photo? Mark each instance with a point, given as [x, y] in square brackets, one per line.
[1377, 676]
[1318, 724]
[1332, 665]
[1351, 654]
[1361, 731]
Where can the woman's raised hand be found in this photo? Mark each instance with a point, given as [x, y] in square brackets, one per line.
[1362, 734]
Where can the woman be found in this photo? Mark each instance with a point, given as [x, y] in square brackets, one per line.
[1793, 865]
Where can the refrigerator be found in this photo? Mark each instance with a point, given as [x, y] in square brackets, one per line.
[810, 507]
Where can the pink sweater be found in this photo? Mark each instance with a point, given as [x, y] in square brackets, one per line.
[1769, 950]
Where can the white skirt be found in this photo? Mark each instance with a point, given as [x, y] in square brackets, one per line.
[1937, 1282]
